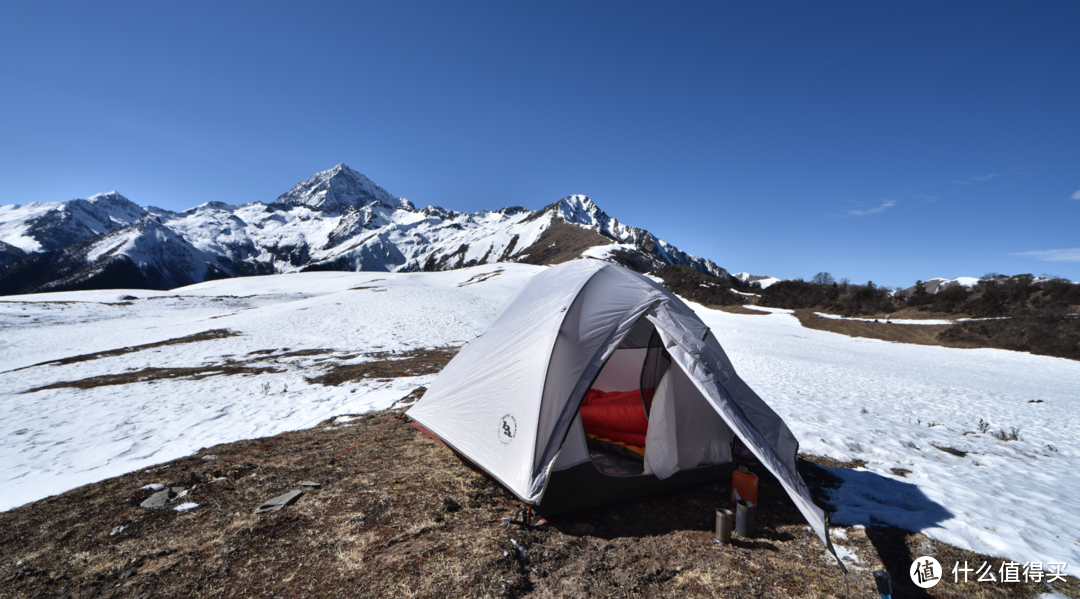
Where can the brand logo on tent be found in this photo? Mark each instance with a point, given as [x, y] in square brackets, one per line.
[507, 429]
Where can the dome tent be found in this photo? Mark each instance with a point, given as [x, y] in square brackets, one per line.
[511, 401]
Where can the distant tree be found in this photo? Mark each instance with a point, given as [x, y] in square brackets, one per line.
[952, 298]
[792, 294]
[844, 282]
[833, 292]
[823, 278]
[920, 297]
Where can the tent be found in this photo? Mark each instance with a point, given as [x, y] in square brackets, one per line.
[512, 401]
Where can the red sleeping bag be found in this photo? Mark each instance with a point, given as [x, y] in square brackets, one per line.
[617, 415]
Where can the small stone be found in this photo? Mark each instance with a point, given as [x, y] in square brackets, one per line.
[311, 484]
[157, 500]
[280, 502]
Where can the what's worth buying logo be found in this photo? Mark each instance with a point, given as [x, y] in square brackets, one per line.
[925, 572]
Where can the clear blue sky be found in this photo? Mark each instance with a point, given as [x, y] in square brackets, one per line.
[877, 141]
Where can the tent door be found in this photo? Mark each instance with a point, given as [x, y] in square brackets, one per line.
[685, 431]
[644, 416]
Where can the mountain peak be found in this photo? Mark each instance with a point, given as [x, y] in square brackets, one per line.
[340, 189]
[112, 206]
[111, 197]
[580, 209]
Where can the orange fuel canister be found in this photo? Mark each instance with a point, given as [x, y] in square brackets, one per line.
[745, 482]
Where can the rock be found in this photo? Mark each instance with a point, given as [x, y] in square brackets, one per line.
[280, 502]
[159, 499]
[450, 505]
[313, 485]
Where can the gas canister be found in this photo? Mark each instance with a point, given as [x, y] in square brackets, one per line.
[745, 483]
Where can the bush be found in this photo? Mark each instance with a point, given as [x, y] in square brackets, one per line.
[951, 299]
[793, 295]
[699, 287]
[863, 299]
[1045, 334]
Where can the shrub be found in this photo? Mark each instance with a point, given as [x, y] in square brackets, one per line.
[793, 295]
[1013, 434]
[951, 299]
[699, 287]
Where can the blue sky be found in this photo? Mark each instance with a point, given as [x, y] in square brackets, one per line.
[878, 141]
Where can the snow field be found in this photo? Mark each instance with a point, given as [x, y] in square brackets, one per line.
[57, 439]
[1017, 499]
[889, 405]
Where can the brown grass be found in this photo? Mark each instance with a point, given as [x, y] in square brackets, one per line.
[382, 365]
[742, 310]
[562, 242]
[920, 334]
[480, 278]
[386, 364]
[151, 375]
[196, 338]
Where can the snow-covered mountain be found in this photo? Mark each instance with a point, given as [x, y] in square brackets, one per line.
[762, 280]
[43, 226]
[935, 285]
[336, 220]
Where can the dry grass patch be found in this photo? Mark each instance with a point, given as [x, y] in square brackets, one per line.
[388, 365]
[562, 242]
[920, 334]
[742, 310]
[480, 278]
[196, 338]
[151, 375]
